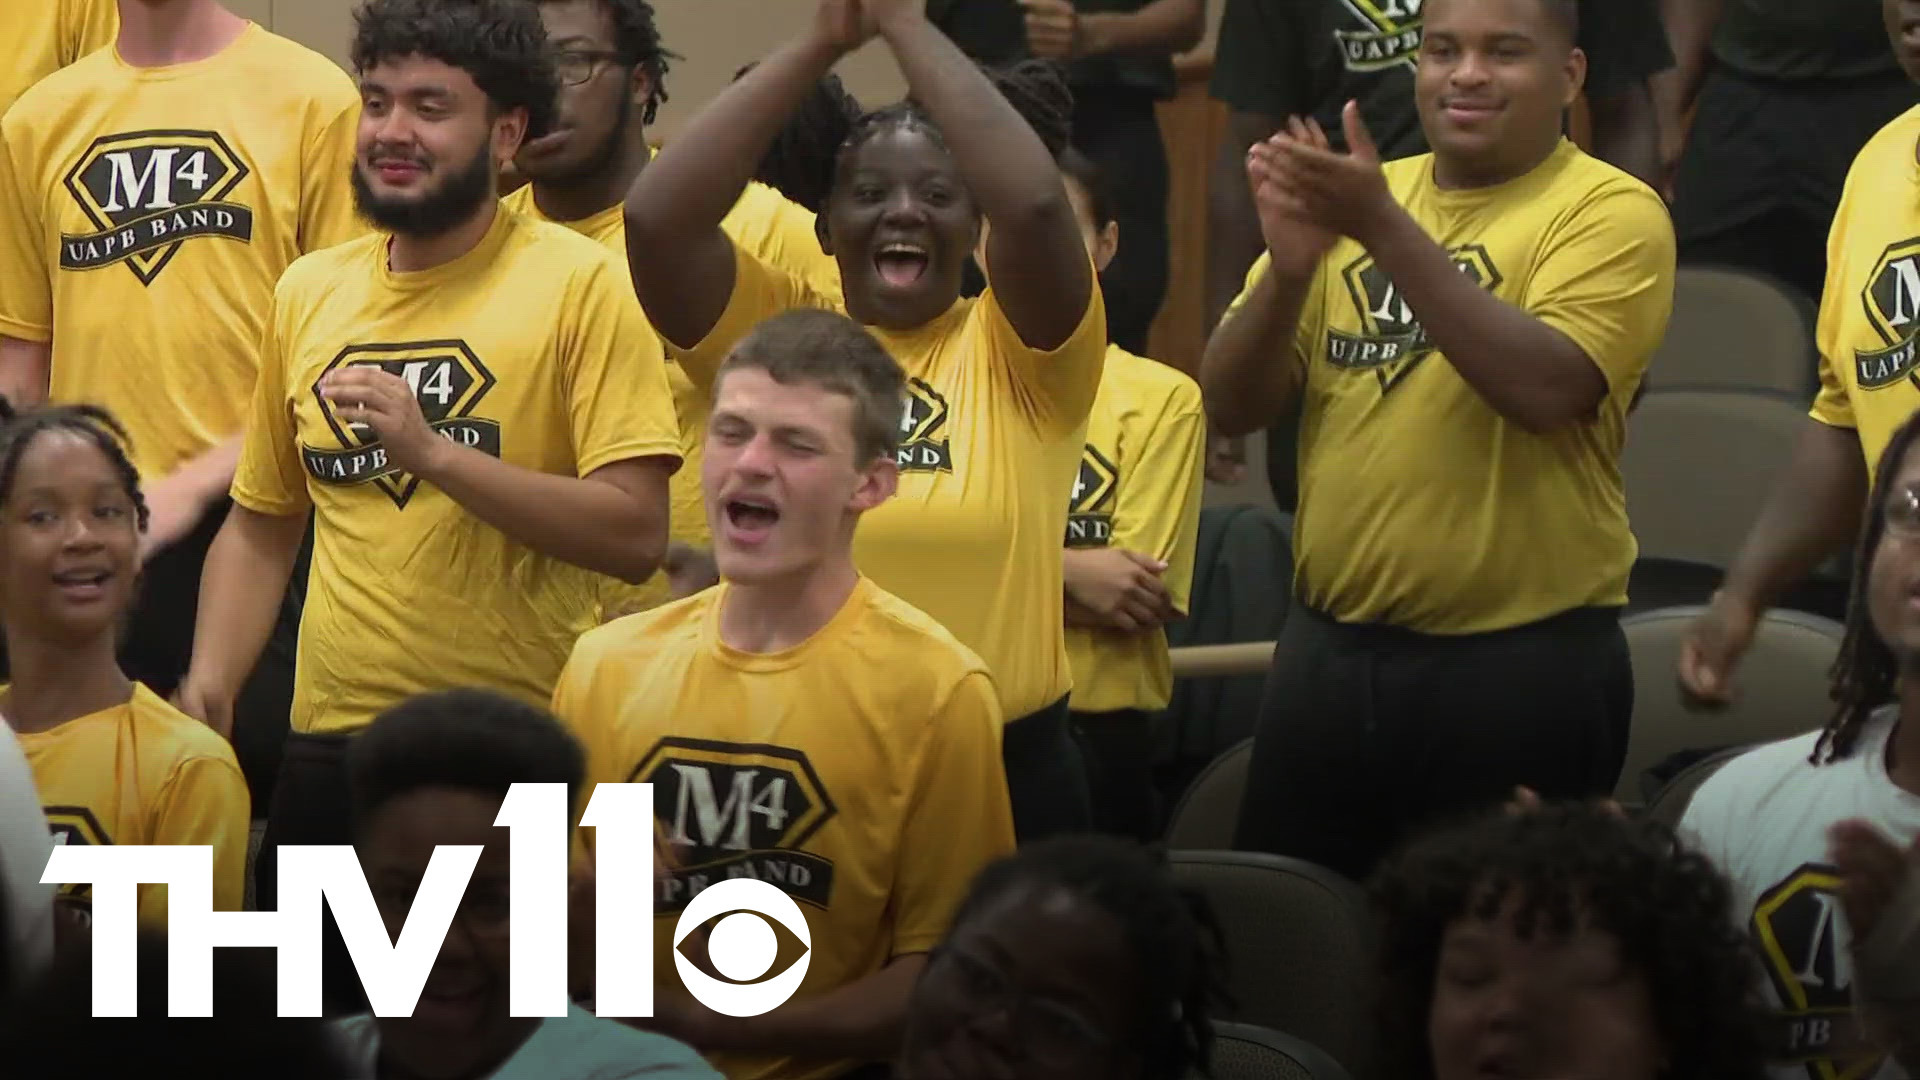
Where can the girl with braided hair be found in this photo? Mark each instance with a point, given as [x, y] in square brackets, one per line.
[114, 762]
[1821, 834]
[999, 387]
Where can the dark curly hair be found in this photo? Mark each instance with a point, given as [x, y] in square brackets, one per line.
[805, 158]
[1176, 942]
[501, 44]
[90, 422]
[1668, 909]
[637, 39]
[1864, 672]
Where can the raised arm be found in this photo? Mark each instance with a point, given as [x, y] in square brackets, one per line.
[682, 263]
[1039, 265]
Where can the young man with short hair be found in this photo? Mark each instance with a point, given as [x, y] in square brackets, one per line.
[433, 772]
[469, 405]
[613, 68]
[1465, 332]
[151, 194]
[800, 725]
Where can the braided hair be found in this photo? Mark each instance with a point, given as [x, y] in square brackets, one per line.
[1177, 944]
[19, 429]
[1864, 672]
[805, 157]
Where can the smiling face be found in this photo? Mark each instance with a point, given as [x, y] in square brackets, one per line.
[1513, 1007]
[1893, 574]
[429, 146]
[782, 478]
[1494, 81]
[70, 540]
[594, 116]
[462, 1024]
[901, 224]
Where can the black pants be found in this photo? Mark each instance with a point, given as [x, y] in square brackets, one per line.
[1764, 168]
[1119, 130]
[156, 648]
[311, 805]
[1046, 778]
[1119, 754]
[1369, 733]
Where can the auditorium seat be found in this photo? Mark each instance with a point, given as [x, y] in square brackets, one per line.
[1736, 330]
[1699, 465]
[1247, 1052]
[1780, 689]
[1670, 805]
[1299, 941]
[1205, 817]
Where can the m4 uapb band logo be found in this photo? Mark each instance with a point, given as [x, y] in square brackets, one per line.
[738, 810]
[448, 381]
[148, 192]
[1090, 507]
[1892, 302]
[1796, 928]
[924, 445]
[1391, 342]
[1391, 37]
[76, 825]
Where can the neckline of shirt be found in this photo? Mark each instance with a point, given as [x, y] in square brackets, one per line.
[793, 654]
[164, 72]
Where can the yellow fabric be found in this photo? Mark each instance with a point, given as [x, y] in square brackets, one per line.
[1419, 505]
[1139, 489]
[244, 156]
[860, 771]
[530, 347]
[44, 36]
[1870, 309]
[145, 773]
[779, 232]
[994, 435]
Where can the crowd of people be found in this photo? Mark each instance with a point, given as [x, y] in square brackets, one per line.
[371, 443]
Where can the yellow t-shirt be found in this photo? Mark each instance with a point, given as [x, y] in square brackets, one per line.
[145, 773]
[145, 214]
[860, 771]
[530, 347]
[1870, 309]
[44, 36]
[781, 233]
[1422, 507]
[993, 434]
[1138, 490]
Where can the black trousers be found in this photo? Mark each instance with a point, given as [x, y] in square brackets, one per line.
[1118, 747]
[156, 648]
[311, 805]
[1046, 777]
[1119, 130]
[1370, 733]
[1765, 165]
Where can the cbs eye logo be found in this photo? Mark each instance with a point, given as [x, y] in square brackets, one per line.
[742, 946]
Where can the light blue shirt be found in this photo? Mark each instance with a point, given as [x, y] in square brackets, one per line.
[577, 1046]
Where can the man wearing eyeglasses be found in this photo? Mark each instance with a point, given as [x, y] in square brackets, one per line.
[613, 70]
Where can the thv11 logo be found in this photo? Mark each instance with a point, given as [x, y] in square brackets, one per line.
[394, 970]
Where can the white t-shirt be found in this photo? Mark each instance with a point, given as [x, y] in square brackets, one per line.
[1763, 819]
[25, 844]
[577, 1046]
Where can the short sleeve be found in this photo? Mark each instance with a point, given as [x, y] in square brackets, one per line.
[761, 290]
[1157, 512]
[1605, 280]
[618, 402]
[1257, 65]
[1058, 385]
[781, 233]
[269, 478]
[1310, 324]
[327, 214]
[205, 802]
[26, 282]
[1626, 44]
[959, 818]
[1832, 405]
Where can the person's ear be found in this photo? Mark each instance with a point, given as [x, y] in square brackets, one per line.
[878, 482]
[509, 132]
[1576, 77]
[642, 89]
[1106, 246]
[822, 234]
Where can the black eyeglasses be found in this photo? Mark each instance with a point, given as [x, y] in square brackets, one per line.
[575, 66]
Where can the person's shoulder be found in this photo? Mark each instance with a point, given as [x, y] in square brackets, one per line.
[1407, 173]
[298, 70]
[936, 653]
[1153, 380]
[549, 249]
[319, 271]
[55, 97]
[1752, 778]
[597, 1048]
[1891, 156]
[187, 739]
[674, 627]
[520, 201]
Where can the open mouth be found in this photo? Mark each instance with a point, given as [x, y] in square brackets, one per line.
[87, 584]
[750, 518]
[902, 266]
